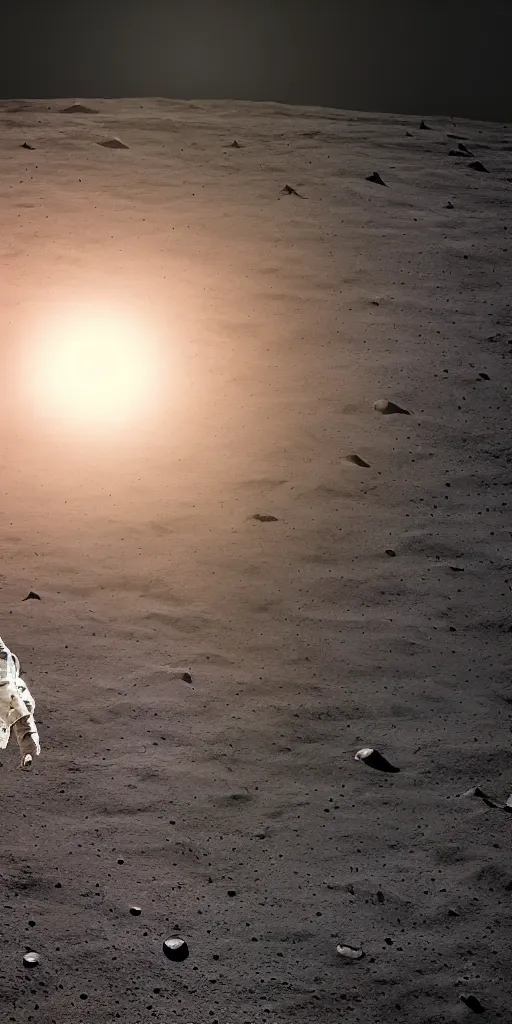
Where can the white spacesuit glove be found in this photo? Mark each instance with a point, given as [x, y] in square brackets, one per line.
[16, 708]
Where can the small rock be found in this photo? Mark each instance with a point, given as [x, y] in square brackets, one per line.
[484, 376]
[32, 595]
[449, 206]
[235, 145]
[263, 518]
[425, 127]
[175, 949]
[289, 191]
[476, 791]
[374, 759]
[231, 892]
[390, 552]
[376, 178]
[135, 911]
[408, 135]
[358, 461]
[390, 408]
[473, 1003]
[380, 896]
[26, 145]
[31, 959]
[114, 143]
[78, 108]
[187, 678]
[477, 166]
[349, 952]
[457, 568]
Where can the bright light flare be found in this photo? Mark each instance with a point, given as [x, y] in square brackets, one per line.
[93, 365]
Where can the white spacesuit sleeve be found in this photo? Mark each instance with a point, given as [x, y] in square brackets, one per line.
[16, 708]
[12, 708]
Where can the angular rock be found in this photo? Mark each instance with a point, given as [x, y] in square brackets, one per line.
[374, 759]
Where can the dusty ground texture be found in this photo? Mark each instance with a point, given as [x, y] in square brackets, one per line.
[284, 319]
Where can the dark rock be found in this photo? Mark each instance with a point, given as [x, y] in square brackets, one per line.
[473, 1003]
[356, 460]
[376, 178]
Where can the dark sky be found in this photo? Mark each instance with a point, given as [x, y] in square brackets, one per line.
[404, 56]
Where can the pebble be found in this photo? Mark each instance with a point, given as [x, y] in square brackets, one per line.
[374, 759]
[175, 948]
[390, 408]
[350, 952]
[31, 959]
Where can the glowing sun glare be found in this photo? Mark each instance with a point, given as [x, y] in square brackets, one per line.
[94, 366]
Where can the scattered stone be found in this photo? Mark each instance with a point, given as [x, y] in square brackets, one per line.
[263, 518]
[455, 152]
[464, 149]
[231, 892]
[135, 911]
[187, 678]
[390, 552]
[380, 896]
[175, 948]
[114, 143]
[473, 1003]
[349, 952]
[484, 376]
[477, 166]
[78, 108]
[390, 408]
[376, 178]
[26, 145]
[374, 759]
[31, 959]
[449, 205]
[289, 191]
[356, 460]
[450, 136]
[32, 595]
[235, 145]
[452, 912]
[408, 135]
[476, 791]
[425, 127]
[457, 568]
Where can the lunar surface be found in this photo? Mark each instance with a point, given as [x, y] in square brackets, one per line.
[205, 307]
